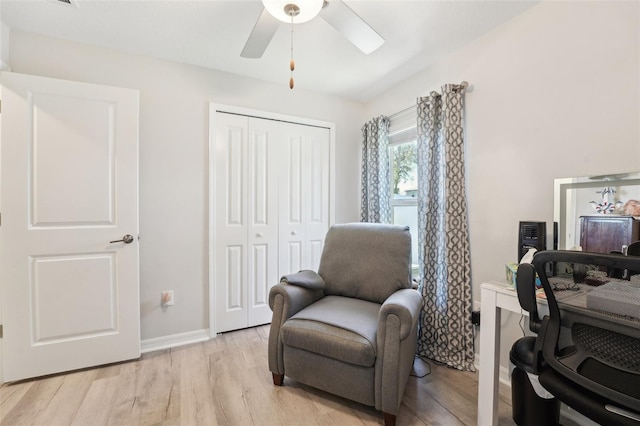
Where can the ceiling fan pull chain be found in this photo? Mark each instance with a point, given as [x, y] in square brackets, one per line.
[292, 64]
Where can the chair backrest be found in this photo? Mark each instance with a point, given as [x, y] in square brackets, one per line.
[367, 261]
[526, 289]
[599, 321]
[634, 249]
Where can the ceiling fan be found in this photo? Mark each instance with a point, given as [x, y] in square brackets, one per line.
[335, 12]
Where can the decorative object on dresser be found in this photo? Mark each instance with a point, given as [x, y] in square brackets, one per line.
[631, 208]
[605, 206]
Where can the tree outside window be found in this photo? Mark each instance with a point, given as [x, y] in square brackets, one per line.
[404, 168]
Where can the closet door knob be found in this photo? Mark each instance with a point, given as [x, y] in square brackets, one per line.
[293, 232]
[259, 235]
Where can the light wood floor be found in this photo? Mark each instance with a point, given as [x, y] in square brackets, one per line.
[225, 381]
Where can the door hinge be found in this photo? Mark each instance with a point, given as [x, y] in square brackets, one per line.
[1, 331]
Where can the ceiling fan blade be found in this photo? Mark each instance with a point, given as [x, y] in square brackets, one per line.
[260, 36]
[349, 24]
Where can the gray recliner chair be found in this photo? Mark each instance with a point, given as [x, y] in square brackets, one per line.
[351, 328]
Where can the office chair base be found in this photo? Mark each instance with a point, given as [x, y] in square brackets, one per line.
[529, 409]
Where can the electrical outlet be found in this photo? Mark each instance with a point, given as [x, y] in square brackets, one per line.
[167, 298]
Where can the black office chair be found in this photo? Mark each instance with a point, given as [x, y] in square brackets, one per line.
[634, 249]
[529, 408]
[591, 347]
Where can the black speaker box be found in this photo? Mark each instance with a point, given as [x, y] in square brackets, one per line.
[531, 235]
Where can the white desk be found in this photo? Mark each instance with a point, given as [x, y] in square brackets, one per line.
[495, 296]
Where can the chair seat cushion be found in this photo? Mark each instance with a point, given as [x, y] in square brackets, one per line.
[338, 327]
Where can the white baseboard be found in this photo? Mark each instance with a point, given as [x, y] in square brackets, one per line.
[174, 340]
[504, 376]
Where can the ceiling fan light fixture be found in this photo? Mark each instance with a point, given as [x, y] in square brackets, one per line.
[280, 9]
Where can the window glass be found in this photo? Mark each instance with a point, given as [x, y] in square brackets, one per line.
[404, 179]
[404, 192]
[403, 187]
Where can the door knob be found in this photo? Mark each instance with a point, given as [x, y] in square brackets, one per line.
[127, 239]
[259, 235]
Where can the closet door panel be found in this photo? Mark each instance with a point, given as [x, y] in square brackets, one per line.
[233, 274]
[261, 281]
[263, 157]
[231, 223]
[316, 208]
[292, 201]
[305, 185]
[235, 182]
[294, 180]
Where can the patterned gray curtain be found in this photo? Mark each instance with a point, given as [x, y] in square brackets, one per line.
[443, 240]
[375, 202]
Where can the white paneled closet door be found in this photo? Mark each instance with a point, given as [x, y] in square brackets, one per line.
[304, 198]
[230, 222]
[271, 211]
[262, 240]
[246, 219]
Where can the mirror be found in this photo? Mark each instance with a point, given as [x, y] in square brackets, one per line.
[606, 195]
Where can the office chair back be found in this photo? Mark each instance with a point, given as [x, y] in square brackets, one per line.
[634, 249]
[598, 371]
[526, 289]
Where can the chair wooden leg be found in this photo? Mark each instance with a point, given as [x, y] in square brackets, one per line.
[389, 419]
[278, 379]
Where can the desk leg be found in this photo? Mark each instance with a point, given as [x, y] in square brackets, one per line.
[489, 360]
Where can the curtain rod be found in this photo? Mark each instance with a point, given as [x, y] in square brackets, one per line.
[394, 115]
[463, 85]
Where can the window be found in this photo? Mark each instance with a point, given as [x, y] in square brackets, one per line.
[403, 189]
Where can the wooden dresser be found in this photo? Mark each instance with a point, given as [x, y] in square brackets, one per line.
[604, 234]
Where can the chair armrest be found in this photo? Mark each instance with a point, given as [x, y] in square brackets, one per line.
[294, 298]
[396, 347]
[405, 304]
[307, 279]
[285, 300]
[538, 358]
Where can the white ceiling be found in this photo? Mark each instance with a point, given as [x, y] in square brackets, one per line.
[212, 33]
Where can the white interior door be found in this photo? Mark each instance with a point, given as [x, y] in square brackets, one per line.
[271, 179]
[230, 249]
[69, 189]
[246, 219]
[304, 198]
[317, 201]
[265, 140]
